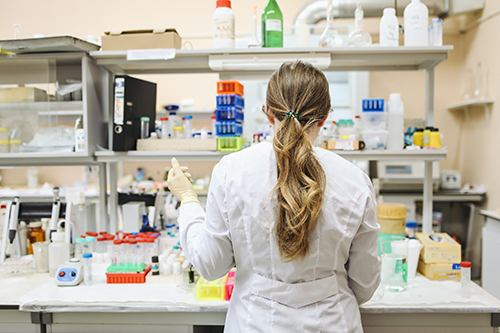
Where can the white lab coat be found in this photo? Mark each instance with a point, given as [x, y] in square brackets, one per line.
[319, 294]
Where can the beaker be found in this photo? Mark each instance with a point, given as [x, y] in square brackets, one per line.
[41, 254]
[394, 255]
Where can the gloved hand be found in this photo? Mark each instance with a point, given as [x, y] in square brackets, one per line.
[179, 183]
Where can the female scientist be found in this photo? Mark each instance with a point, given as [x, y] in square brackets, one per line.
[298, 222]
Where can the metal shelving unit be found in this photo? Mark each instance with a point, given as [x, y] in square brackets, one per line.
[247, 63]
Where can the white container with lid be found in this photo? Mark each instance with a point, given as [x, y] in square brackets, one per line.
[58, 252]
[395, 122]
[416, 17]
[223, 26]
[302, 33]
[389, 28]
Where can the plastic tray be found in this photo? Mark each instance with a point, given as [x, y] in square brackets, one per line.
[229, 88]
[128, 277]
[230, 101]
[48, 44]
[229, 114]
[228, 128]
[230, 143]
[211, 290]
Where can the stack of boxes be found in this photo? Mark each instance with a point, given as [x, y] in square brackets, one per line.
[374, 124]
[229, 116]
[440, 256]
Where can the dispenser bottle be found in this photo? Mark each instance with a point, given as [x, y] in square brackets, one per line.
[416, 17]
[389, 28]
[58, 252]
[272, 25]
[223, 26]
[359, 37]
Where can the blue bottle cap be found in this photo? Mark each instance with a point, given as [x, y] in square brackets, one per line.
[80, 240]
[87, 255]
[188, 117]
[411, 224]
[172, 107]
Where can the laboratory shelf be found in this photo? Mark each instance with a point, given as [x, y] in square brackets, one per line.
[377, 155]
[46, 108]
[467, 105]
[255, 61]
[45, 159]
[163, 156]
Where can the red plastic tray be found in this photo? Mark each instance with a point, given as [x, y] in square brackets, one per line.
[128, 277]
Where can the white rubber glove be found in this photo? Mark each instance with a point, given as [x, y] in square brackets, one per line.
[179, 184]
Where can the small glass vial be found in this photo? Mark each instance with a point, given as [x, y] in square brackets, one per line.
[79, 248]
[164, 128]
[144, 127]
[87, 268]
[465, 267]
[155, 266]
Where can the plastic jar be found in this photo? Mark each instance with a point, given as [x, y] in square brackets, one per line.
[15, 146]
[4, 146]
[178, 132]
[391, 217]
[35, 234]
[411, 229]
[426, 136]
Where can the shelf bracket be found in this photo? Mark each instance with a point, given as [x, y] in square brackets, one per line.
[467, 113]
[487, 112]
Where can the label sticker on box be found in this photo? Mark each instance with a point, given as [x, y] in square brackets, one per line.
[151, 54]
[119, 100]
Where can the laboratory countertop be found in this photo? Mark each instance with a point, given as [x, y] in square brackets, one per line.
[38, 292]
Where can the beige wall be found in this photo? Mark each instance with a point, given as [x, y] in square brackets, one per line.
[471, 144]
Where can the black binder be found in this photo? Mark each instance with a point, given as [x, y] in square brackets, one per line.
[133, 99]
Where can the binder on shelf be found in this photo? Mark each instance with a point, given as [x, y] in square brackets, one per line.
[133, 99]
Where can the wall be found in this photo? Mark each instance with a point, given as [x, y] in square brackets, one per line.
[466, 141]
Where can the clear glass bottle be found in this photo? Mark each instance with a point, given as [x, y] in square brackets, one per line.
[272, 25]
[359, 37]
[254, 42]
[330, 37]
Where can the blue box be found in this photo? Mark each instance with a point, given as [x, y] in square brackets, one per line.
[230, 101]
[229, 114]
[373, 105]
[228, 128]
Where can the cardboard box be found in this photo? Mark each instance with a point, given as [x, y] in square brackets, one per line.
[439, 248]
[445, 271]
[141, 40]
[22, 94]
[345, 145]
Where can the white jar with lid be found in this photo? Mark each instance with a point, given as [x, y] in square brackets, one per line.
[389, 28]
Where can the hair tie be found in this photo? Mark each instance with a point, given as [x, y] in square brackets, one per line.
[293, 114]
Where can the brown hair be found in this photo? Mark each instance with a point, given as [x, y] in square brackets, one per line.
[297, 96]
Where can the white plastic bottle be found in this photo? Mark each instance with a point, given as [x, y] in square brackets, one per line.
[302, 33]
[58, 252]
[389, 28]
[416, 24]
[223, 26]
[395, 123]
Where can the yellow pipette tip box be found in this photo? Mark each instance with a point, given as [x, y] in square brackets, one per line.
[211, 290]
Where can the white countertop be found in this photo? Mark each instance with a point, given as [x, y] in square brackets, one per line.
[38, 292]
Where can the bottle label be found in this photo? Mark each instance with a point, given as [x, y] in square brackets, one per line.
[223, 28]
[79, 140]
[273, 25]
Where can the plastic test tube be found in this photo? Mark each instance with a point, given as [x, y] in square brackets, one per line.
[214, 121]
[142, 248]
[165, 134]
[465, 278]
[87, 268]
[150, 252]
[90, 244]
[117, 252]
[144, 127]
[126, 252]
[134, 255]
[79, 248]
[101, 245]
[188, 127]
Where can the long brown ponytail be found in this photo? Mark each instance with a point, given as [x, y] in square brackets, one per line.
[298, 96]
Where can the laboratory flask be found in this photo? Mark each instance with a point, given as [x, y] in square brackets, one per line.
[41, 254]
[394, 255]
